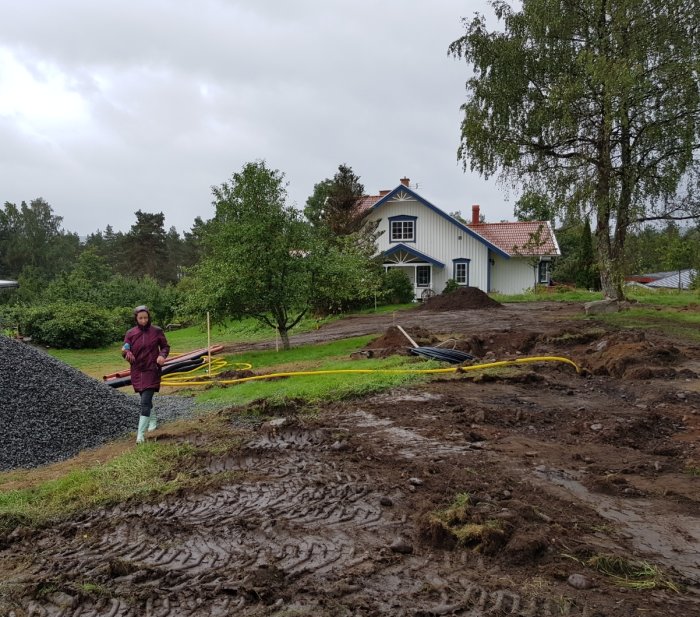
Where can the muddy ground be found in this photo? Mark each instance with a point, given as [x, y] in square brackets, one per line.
[531, 491]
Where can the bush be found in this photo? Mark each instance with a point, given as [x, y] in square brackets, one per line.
[75, 325]
[450, 286]
[396, 287]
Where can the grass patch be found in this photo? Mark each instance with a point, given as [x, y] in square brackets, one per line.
[658, 297]
[549, 294]
[628, 573]
[668, 320]
[459, 525]
[302, 355]
[317, 388]
[106, 360]
[631, 574]
[136, 473]
[35, 497]
[665, 297]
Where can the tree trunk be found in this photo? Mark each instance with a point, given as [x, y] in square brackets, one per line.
[610, 274]
[284, 335]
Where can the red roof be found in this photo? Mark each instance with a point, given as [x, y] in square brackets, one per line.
[520, 238]
[366, 202]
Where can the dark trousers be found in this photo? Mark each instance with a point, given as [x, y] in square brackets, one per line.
[146, 402]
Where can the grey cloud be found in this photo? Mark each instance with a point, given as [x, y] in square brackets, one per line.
[180, 94]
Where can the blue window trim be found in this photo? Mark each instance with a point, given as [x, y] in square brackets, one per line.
[400, 218]
[430, 276]
[461, 260]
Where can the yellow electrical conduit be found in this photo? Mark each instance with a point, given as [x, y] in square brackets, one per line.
[181, 379]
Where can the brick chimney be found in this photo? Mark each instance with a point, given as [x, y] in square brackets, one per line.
[384, 192]
[405, 181]
[475, 214]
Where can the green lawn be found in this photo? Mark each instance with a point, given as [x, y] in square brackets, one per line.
[99, 362]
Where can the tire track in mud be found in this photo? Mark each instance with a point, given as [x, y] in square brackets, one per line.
[304, 517]
[298, 527]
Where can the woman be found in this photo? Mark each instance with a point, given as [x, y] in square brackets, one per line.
[146, 349]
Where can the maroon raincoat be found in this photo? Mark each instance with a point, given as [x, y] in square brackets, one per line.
[146, 343]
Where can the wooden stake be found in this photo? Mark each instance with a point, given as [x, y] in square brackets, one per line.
[406, 335]
[209, 342]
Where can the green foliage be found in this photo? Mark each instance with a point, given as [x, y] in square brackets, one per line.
[74, 325]
[93, 281]
[396, 287]
[262, 260]
[258, 260]
[601, 114]
[577, 265]
[334, 203]
[33, 246]
[450, 286]
[145, 249]
[32, 236]
[347, 279]
[533, 206]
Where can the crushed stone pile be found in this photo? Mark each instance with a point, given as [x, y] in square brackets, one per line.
[460, 299]
[50, 411]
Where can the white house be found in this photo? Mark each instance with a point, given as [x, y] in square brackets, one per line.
[432, 247]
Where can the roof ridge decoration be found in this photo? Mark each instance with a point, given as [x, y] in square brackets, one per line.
[409, 193]
[401, 196]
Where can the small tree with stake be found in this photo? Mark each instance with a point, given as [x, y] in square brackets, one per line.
[257, 251]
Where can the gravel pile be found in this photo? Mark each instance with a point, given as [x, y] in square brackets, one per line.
[50, 411]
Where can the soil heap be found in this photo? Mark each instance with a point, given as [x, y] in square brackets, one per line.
[393, 338]
[460, 299]
[50, 411]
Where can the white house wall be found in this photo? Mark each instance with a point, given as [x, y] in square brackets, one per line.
[511, 276]
[438, 238]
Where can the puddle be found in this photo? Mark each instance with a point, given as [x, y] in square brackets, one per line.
[409, 443]
[407, 397]
[368, 420]
[674, 539]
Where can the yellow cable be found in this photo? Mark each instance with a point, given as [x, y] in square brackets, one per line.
[455, 369]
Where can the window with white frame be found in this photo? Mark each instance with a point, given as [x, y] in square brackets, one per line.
[543, 272]
[402, 229]
[423, 276]
[460, 271]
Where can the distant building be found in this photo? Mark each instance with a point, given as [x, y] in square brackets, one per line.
[432, 247]
[665, 280]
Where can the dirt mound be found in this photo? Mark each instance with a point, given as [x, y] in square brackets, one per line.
[460, 299]
[623, 358]
[393, 338]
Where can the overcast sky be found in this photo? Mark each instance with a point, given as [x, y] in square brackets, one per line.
[110, 107]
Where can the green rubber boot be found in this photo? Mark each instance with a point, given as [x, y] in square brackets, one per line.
[143, 423]
[152, 424]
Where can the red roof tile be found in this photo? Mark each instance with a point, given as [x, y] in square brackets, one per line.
[518, 238]
[366, 202]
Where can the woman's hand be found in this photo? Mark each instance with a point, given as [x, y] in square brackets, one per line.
[129, 356]
[160, 360]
